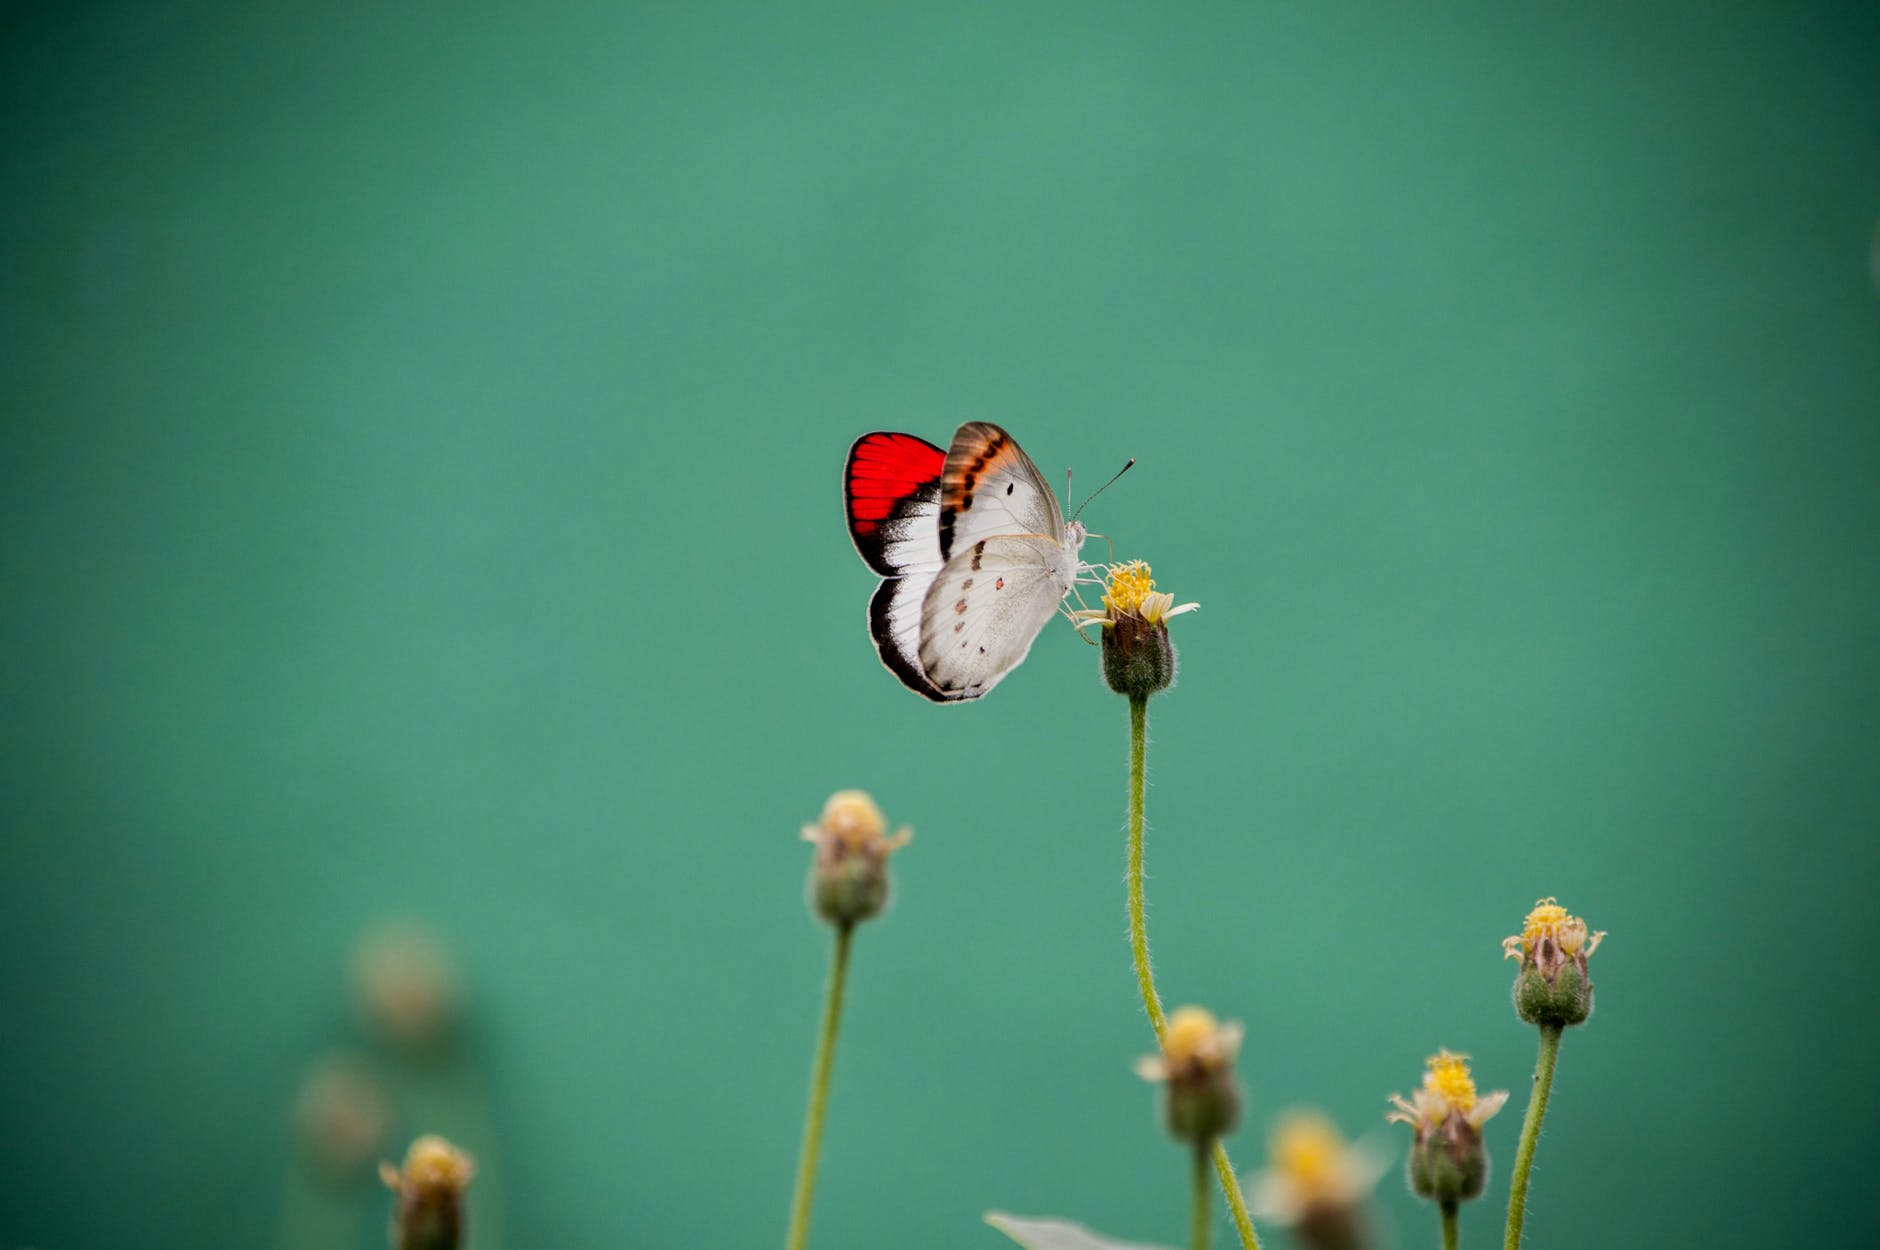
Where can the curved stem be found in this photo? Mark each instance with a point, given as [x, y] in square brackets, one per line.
[1531, 1133]
[1452, 1236]
[1139, 948]
[819, 1092]
[1198, 1225]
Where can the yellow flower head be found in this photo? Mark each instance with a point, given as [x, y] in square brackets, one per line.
[433, 1169]
[1129, 590]
[1312, 1169]
[853, 821]
[1448, 1093]
[1200, 1098]
[1195, 1042]
[1548, 928]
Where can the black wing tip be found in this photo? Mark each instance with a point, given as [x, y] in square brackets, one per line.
[906, 669]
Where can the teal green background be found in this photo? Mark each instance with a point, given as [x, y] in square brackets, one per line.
[419, 498]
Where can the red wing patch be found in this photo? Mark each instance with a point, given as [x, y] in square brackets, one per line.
[888, 479]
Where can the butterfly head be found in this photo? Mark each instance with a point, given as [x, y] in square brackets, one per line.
[1074, 535]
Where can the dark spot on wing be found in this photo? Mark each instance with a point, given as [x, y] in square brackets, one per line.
[1010, 487]
[999, 585]
[960, 606]
[979, 553]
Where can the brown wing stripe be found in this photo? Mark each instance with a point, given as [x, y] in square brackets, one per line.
[958, 498]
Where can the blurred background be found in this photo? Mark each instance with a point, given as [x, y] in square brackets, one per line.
[423, 558]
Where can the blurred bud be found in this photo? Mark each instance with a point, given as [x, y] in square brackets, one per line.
[848, 878]
[1447, 1160]
[1552, 988]
[407, 988]
[1200, 1100]
[1138, 658]
[341, 1115]
[428, 1211]
[1317, 1184]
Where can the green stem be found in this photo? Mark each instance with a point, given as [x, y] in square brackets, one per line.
[1139, 948]
[1531, 1133]
[1198, 1226]
[1236, 1201]
[819, 1092]
[1138, 927]
[1452, 1236]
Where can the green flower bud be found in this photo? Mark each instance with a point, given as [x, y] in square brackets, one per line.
[1200, 1099]
[1552, 988]
[848, 877]
[1447, 1160]
[1138, 658]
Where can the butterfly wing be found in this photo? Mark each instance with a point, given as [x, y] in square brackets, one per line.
[891, 494]
[990, 487]
[982, 611]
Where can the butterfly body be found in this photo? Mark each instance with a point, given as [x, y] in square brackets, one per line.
[974, 552]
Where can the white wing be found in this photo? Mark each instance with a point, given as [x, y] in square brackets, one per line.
[981, 612]
[989, 488]
[894, 624]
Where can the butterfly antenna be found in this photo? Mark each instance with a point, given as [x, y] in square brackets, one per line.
[1099, 490]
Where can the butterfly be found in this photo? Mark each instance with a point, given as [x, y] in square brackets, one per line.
[974, 554]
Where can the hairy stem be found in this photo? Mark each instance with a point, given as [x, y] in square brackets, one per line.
[1139, 948]
[819, 1092]
[1138, 927]
[1198, 1225]
[1531, 1133]
[1452, 1235]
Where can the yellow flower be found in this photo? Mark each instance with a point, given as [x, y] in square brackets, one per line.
[1138, 657]
[342, 1113]
[1448, 1094]
[1553, 988]
[1200, 1100]
[429, 1213]
[1129, 591]
[1313, 1175]
[432, 1166]
[848, 879]
[1447, 1159]
[1194, 1042]
[407, 986]
[1549, 925]
[852, 818]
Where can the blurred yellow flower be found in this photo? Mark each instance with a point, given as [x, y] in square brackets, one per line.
[1313, 1174]
[1195, 1042]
